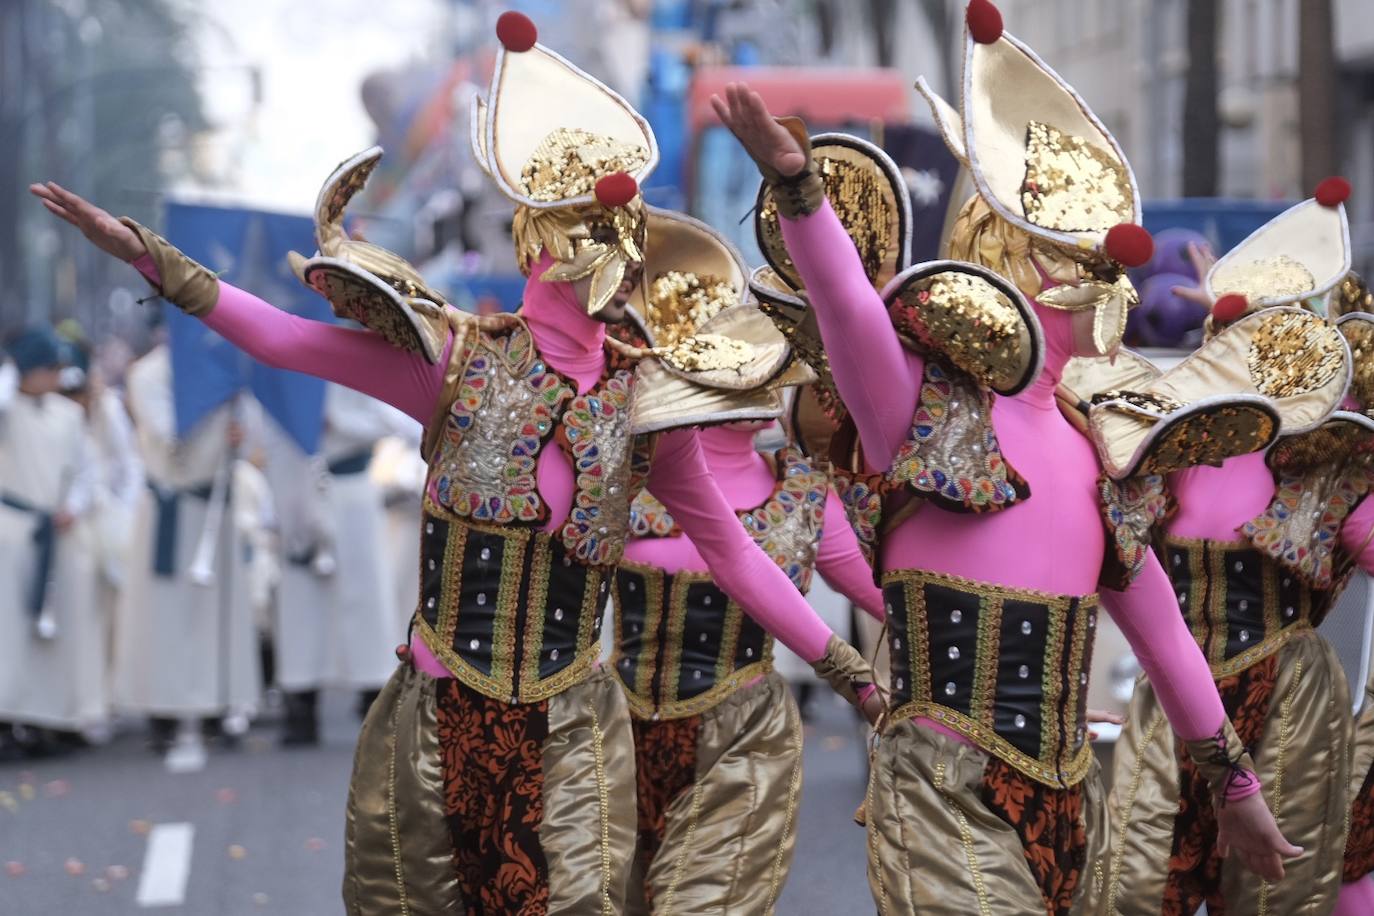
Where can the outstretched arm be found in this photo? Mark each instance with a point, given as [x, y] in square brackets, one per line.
[359, 359]
[841, 563]
[878, 378]
[681, 480]
[1148, 615]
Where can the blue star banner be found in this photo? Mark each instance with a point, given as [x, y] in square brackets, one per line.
[248, 249]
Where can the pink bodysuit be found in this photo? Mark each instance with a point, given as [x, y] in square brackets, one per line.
[1054, 541]
[747, 480]
[572, 343]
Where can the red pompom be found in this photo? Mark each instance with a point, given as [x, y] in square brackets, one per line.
[1332, 191]
[516, 32]
[1229, 307]
[616, 190]
[984, 21]
[1129, 244]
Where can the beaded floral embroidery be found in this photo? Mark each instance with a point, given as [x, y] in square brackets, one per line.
[596, 427]
[649, 518]
[862, 498]
[506, 407]
[952, 454]
[1302, 526]
[1130, 510]
[788, 526]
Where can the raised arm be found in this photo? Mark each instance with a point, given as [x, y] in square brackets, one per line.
[358, 359]
[1148, 615]
[878, 378]
[841, 563]
[683, 483]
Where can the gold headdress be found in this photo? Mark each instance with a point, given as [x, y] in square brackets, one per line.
[1045, 165]
[365, 282]
[571, 154]
[1296, 258]
[712, 357]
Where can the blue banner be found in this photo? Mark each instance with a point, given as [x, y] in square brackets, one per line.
[248, 249]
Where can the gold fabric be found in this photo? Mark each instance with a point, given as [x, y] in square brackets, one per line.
[188, 285]
[665, 399]
[1358, 330]
[844, 669]
[1303, 762]
[729, 840]
[588, 830]
[1362, 743]
[398, 852]
[934, 847]
[1072, 184]
[587, 240]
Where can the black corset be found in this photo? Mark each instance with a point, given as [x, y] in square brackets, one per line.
[1240, 604]
[507, 609]
[1006, 668]
[682, 645]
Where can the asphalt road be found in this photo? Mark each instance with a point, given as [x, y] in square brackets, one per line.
[258, 830]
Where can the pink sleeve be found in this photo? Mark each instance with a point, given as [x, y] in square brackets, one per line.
[681, 481]
[878, 378]
[842, 564]
[355, 358]
[1357, 535]
[1148, 615]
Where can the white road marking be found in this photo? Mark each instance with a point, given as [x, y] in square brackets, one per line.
[166, 865]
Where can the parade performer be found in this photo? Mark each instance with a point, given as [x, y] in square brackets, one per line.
[494, 773]
[718, 741]
[1258, 552]
[992, 612]
[336, 618]
[49, 615]
[186, 646]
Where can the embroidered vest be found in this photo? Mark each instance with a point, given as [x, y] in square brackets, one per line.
[682, 646]
[512, 610]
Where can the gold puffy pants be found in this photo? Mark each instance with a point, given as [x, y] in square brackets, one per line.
[463, 804]
[1292, 710]
[936, 847]
[718, 795]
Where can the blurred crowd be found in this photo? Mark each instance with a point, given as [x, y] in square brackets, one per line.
[185, 583]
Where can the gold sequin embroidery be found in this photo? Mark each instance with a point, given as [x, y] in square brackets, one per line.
[1292, 354]
[1072, 185]
[569, 162]
[1264, 278]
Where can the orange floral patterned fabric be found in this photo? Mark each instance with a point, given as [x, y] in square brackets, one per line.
[665, 767]
[1359, 846]
[1194, 866]
[1050, 824]
[494, 800]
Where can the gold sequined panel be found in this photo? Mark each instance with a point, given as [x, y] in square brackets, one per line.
[355, 299]
[788, 526]
[1290, 355]
[569, 162]
[681, 301]
[596, 430]
[1072, 185]
[858, 194]
[1352, 296]
[1145, 404]
[1360, 336]
[1209, 437]
[506, 406]
[970, 322]
[1266, 278]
